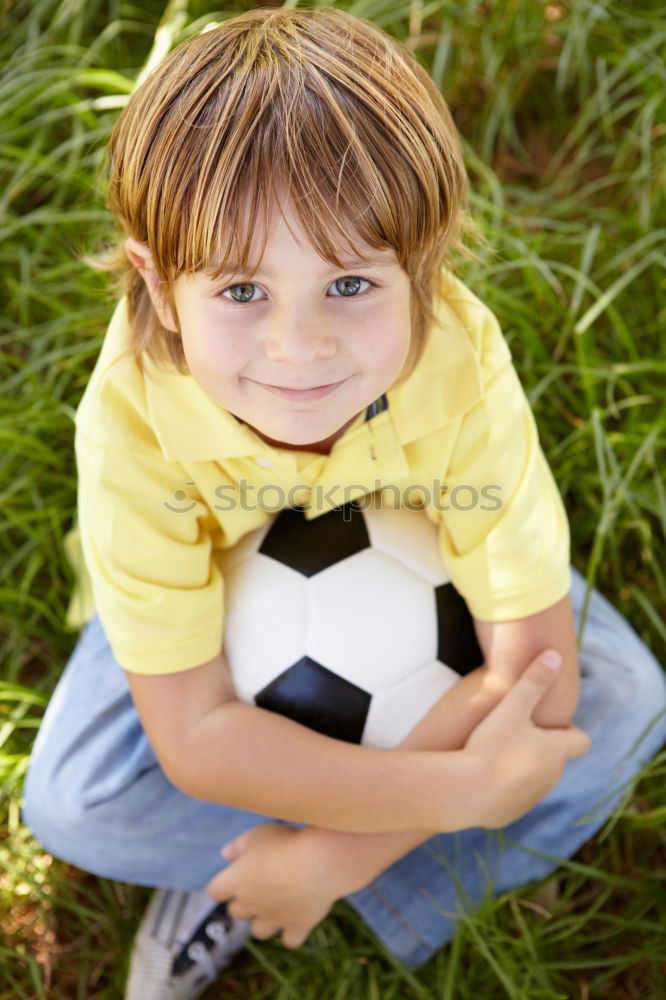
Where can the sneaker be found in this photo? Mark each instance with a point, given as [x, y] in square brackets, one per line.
[183, 942]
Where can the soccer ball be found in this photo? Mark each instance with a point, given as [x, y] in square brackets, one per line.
[347, 623]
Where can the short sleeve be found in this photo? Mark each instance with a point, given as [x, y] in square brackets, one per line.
[156, 587]
[504, 534]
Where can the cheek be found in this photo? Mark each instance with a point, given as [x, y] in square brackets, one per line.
[200, 359]
[385, 335]
[210, 348]
[392, 345]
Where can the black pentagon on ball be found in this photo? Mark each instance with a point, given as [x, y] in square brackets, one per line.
[311, 546]
[317, 698]
[457, 645]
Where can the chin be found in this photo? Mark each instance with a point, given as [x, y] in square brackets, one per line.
[307, 440]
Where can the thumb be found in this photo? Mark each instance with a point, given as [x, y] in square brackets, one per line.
[531, 686]
[232, 850]
[222, 886]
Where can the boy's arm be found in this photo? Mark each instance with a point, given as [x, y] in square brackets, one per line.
[508, 647]
[218, 749]
[221, 750]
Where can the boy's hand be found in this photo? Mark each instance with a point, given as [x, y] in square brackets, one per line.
[277, 882]
[518, 761]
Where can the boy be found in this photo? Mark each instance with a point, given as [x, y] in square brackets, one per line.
[290, 185]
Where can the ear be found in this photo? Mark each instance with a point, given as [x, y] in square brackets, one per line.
[140, 256]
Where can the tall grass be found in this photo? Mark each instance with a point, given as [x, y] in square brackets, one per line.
[562, 108]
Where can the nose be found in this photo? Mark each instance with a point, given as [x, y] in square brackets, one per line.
[298, 337]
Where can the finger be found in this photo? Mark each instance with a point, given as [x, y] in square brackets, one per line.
[238, 911]
[263, 929]
[234, 848]
[531, 686]
[222, 886]
[230, 851]
[571, 742]
[293, 939]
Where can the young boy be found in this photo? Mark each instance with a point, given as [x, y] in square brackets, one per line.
[290, 185]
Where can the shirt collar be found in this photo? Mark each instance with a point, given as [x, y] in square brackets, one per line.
[445, 383]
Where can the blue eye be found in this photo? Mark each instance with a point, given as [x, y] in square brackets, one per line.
[347, 287]
[246, 295]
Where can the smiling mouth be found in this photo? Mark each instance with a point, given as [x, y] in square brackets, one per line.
[307, 392]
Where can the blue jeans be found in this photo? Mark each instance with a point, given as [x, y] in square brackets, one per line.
[96, 796]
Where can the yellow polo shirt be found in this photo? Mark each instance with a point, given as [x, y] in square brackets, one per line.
[168, 479]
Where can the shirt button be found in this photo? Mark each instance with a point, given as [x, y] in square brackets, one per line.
[267, 464]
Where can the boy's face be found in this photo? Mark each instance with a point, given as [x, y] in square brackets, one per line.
[289, 353]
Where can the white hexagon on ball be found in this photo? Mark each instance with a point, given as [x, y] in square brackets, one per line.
[370, 617]
[266, 620]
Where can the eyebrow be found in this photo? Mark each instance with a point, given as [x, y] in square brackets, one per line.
[234, 268]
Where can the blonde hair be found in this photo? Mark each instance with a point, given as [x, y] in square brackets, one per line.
[319, 102]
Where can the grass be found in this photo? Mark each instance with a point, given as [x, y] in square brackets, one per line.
[562, 109]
